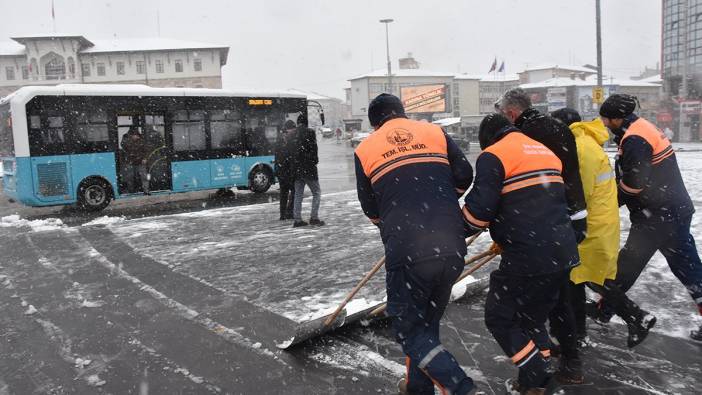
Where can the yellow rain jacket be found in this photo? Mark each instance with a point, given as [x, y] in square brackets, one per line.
[598, 252]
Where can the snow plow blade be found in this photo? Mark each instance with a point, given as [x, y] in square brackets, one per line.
[463, 290]
[308, 330]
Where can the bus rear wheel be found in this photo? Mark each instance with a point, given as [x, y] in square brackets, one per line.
[260, 179]
[94, 194]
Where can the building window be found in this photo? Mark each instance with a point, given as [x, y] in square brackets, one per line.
[159, 66]
[25, 72]
[71, 68]
[85, 68]
[140, 67]
[10, 73]
[101, 69]
[178, 66]
[197, 64]
[120, 68]
[55, 69]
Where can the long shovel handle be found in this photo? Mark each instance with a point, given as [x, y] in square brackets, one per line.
[354, 291]
[487, 256]
[477, 266]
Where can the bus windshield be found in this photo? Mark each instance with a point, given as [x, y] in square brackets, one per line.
[7, 146]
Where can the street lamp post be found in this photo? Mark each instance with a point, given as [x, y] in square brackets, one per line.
[387, 49]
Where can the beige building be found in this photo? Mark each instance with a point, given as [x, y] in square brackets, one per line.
[159, 62]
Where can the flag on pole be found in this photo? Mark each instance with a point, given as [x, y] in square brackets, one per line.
[494, 66]
[502, 67]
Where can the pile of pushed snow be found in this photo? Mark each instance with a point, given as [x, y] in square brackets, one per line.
[37, 225]
[105, 220]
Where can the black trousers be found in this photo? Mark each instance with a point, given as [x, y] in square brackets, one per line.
[287, 197]
[516, 310]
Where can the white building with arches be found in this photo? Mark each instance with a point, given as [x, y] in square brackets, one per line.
[62, 58]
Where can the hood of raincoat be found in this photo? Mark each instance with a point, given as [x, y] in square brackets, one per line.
[595, 129]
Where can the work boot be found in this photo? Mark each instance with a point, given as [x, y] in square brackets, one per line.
[316, 222]
[638, 330]
[298, 224]
[513, 388]
[570, 371]
[598, 312]
[696, 335]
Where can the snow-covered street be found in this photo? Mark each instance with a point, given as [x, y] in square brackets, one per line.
[193, 299]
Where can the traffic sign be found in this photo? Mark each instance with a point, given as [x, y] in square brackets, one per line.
[598, 95]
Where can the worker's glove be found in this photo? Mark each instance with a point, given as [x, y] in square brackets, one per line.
[495, 248]
[580, 229]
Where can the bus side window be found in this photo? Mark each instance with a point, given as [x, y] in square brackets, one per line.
[225, 129]
[92, 132]
[189, 131]
[46, 138]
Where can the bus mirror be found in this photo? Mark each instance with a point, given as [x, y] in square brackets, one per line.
[321, 117]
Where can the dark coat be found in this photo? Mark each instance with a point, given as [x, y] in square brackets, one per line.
[558, 138]
[284, 159]
[306, 159]
[135, 151]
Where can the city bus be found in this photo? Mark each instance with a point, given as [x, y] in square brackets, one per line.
[65, 144]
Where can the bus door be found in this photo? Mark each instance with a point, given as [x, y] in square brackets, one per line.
[143, 160]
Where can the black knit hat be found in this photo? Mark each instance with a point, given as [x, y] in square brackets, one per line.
[618, 106]
[383, 107]
[567, 115]
[490, 127]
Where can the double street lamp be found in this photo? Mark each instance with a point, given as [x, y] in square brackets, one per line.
[387, 47]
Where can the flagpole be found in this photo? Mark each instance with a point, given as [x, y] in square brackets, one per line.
[53, 16]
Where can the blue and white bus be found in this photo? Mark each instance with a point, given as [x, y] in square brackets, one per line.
[63, 144]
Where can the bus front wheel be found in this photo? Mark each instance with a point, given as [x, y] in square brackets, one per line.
[260, 179]
[94, 194]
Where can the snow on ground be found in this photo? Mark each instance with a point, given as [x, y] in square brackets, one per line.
[105, 220]
[37, 225]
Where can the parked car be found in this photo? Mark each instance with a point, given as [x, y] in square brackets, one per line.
[327, 133]
[358, 137]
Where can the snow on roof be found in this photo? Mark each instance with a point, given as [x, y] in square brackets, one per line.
[589, 81]
[83, 41]
[10, 48]
[560, 67]
[312, 95]
[488, 77]
[403, 73]
[447, 121]
[27, 92]
[148, 44]
[654, 79]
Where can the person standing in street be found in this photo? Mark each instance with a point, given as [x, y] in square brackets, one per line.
[409, 176]
[305, 173]
[284, 171]
[515, 104]
[651, 186]
[520, 197]
[598, 252]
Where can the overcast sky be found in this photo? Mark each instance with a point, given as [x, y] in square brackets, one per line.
[317, 45]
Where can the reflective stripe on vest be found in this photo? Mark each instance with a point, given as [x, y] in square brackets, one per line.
[401, 142]
[526, 162]
[654, 137]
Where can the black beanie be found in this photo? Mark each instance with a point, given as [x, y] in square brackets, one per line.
[567, 116]
[382, 107]
[618, 106]
[490, 126]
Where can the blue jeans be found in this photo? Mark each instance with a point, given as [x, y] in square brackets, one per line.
[417, 297]
[674, 241]
[316, 197]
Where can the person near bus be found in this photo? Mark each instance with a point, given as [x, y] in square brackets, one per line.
[305, 173]
[156, 166]
[660, 209]
[284, 150]
[409, 176]
[598, 252]
[519, 195]
[135, 153]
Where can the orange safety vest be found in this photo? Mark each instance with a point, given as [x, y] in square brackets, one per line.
[526, 162]
[401, 142]
[653, 136]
